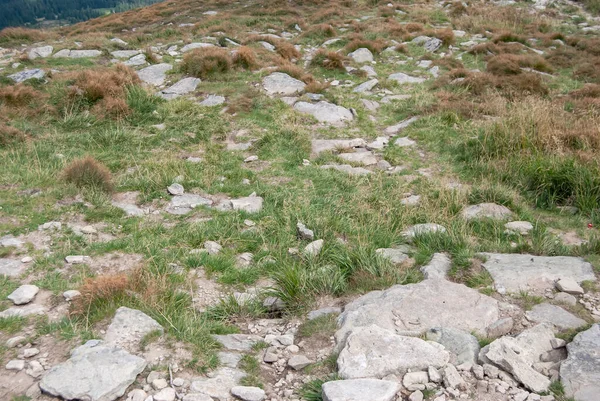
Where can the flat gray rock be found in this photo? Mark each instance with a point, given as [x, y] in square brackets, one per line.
[516, 272]
[183, 87]
[394, 129]
[183, 204]
[557, 316]
[279, 83]
[580, 372]
[362, 55]
[22, 76]
[464, 346]
[415, 308]
[486, 210]
[84, 53]
[212, 100]
[219, 385]
[346, 168]
[237, 342]
[40, 52]
[377, 352]
[9, 240]
[364, 158]
[246, 393]
[438, 267]
[421, 229]
[128, 327]
[325, 145]
[125, 54]
[325, 112]
[193, 46]
[403, 78]
[366, 86]
[95, 372]
[23, 311]
[11, 268]
[24, 294]
[249, 204]
[135, 61]
[155, 74]
[519, 227]
[360, 390]
[329, 310]
[394, 255]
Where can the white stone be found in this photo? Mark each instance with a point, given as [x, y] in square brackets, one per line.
[569, 286]
[362, 55]
[486, 210]
[314, 248]
[24, 294]
[360, 390]
[246, 393]
[279, 83]
[325, 112]
[129, 326]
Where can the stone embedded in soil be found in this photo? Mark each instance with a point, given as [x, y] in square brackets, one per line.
[464, 346]
[166, 394]
[304, 233]
[519, 227]
[403, 78]
[346, 168]
[298, 362]
[183, 87]
[330, 310]
[422, 229]
[212, 100]
[314, 248]
[360, 390]
[176, 189]
[128, 327]
[11, 268]
[237, 342]
[24, 294]
[376, 352]
[95, 372]
[219, 385]
[324, 145]
[27, 75]
[557, 316]
[325, 112]
[15, 364]
[569, 286]
[438, 267]
[521, 272]
[394, 255]
[486, 210]
[246, 393]
[361, 55]
[40, 52]
[155, 74]
[366, 86]
[279, 83]
[580, 372]
[183, 204]
[23, 311]
[249, 204]
[363, 158]
[395, 129]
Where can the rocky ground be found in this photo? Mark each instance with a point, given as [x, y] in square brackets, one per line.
[337, 201]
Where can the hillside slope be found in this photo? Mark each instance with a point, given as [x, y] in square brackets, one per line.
[317, 200]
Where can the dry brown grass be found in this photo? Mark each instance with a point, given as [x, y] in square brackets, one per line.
[508, 36]
[88, 173]
[294, 71]
[445, 35]
[325, 30]
[14, 34]
[511, 64]
[414, 27]
[10, 135]
[282, 47]
[329, 60]
[328, 14]
[375, 46]
[101, 288]
[20, 95]
[206, 62]
[244, 57]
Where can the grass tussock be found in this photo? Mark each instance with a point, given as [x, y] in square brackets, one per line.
[88, 173]
[207, 62]
[10, 135]
[20, 95]
[510, 64]
[329, 60]
[98, 289]
[375, 46]
[285, 49]
[244, 57]
[19, 34]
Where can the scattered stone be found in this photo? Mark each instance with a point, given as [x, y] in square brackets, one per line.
[24, 294]
[237, 342]
[325, 112]
[416, 396]
[29, 352]
[166, 394]
[394, 129]
[362, 55]
[314, 248]
[159, 384]
[415, 380]
[15, 364]
[555, 315]
[196, 397]
[249, 159]
[569, 286]
[77, 259]
[423, 229]
[348, 169]
[299, 362]
[394, 255]
[71, 295]
[248, 393]
[183, 87]
[519, 227]
[9, 240]
[212, 247]
[212, 101]
[403, 78]
[40, 52]
[273, 304]
[580, 372]
[304, 233]
[330, 310]
[453, 379]
[464, 346]
[366, 86]
[218, 386]
[404, 142]
[176, 189]
[192, 46]
[14, 341]
[178, 382]
[279, 83]
[138, 60]
[486, 210]
[26, 75]
[125, 54]
[155, 74]
[95, 372]
[360, 390]
[564, 298]
[183, 204]
[23, 311]
[129, 326]
[521, 272]
[11, 268]
[367, 350]
[249, 204]
[83, 53]
[137, 395]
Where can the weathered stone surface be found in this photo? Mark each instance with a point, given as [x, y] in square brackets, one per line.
[324, 145]
[569, 286]
[346, 168]
[155, 74]
[500, 327]
[183, 204]
[84, 53]
[15, 364]
[279, 83]
[9, 240]
[486, 210]
[415, 380]
[128, 327]
[330, 310]
[192, 46]
[95, 372]
[403, 78]
[22, 76]
[362, 55]
[247, 393]
[138, 60]
[404, 142]
[175, 189]
[183, 87]
[564, 298]
[197, 397]
[237, 342]
[453, 379]
[519, 227]
[360, 390]
[40, 52]
[11, 268]
[125, 54]
[515, 272]
[464, 346]
[166, 394]
[547, 313]
[303, 232]
[580, 372]
[212, 100]
[249, 204]
[325, 112]
[218, 386]
[365, 158]
[314, 248]
[394, 129]
[415, 308]
[366, 86]
[377, 352]
[23, 311]
[24, 294]
[438, 267]
[394, 255]
[299, 362]
[420, 229]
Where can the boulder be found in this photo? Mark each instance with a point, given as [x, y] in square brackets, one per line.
[580, 372]
[362, 55]
[557, 316]
[464, 346]
[373, 351]
[24, 294]
[95, 372]
[155, 74]
[325, 112]
[183, 87]
[279, 83]
[515, 272]
[360, 390]
[128, 327]
[486, 210]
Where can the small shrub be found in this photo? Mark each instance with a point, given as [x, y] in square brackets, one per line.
[97, 289]
[329, 60]
[88, 173]
[503, 64]
[203, 63]
[10, 135]
[375, 46]
[321, 30]
[507, 36]
[414, 27]
[245, 58]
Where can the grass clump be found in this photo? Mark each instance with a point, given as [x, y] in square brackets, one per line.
[10, 135]
[91, 174]
[375, 46]
[19, 95]
[245, 58]
[207, 62]
[19, 34]
[329, 60]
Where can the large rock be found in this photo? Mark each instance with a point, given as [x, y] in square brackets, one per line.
[464, 346]
[360, 390]
[22, 76]
[376, 352]
[219, 385]
[580, 372]
[185, 86]
[403, 78]
[415, 308]
[555, 315]
[40, 52]
[155, 74]
[325, 112]
[11, 268]
[279, 83]
[128, 328]
[24, 294]
[324, 145]
[362, 55]
[486, 210]
[95, 372]
[515, 272]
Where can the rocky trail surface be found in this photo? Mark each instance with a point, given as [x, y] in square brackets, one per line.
[215, 201]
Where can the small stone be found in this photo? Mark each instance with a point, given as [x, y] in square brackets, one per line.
[273, 304]
[212, 247]
[159, 384]
[569, 286]
[14, 341]
[270, 357]
[314, 248]
[453, 379]
[29, 352]
[413, 381]
[416, 396]
[563, 297]
[247, 393]
[24, 294]
[519, 227]
[298, 362]
[178, 382]
[176, 189]
[166, 394]
[500, 327]
[251, 159]
[478, 372]
[71, 295]
[15, 364]
[27, 259]
[152, 376]
[77, 259]
[434, 375]
[304, 233]
[35, 369]
[137, 395]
